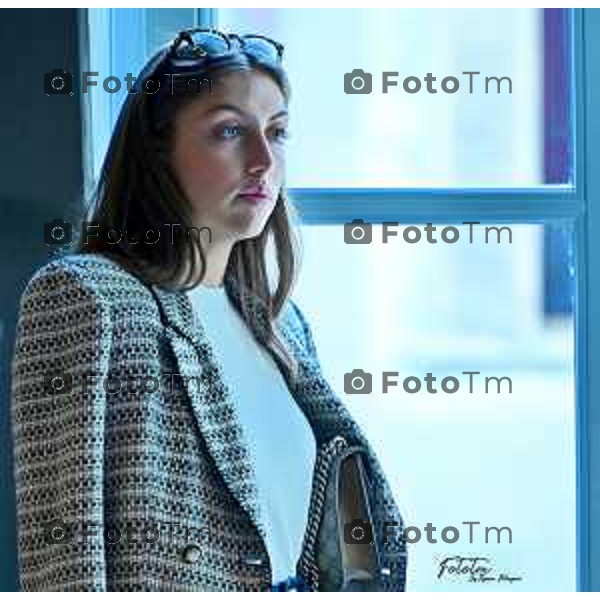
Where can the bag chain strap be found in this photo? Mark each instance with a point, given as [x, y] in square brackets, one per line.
[334, 447]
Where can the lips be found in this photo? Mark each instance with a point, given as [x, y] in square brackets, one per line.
[254, 194]
[257, 192]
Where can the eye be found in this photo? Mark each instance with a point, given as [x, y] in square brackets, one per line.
[229, 131]
[280, 133]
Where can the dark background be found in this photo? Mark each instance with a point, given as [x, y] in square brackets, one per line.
[42, 174]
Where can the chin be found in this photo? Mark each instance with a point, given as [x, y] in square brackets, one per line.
[250, 233]
[248, 230]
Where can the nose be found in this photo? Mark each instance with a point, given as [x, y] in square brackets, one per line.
[259, 155]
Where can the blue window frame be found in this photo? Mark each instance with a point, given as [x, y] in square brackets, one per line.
[559, 289]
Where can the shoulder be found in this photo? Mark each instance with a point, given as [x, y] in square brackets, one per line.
[85, 276]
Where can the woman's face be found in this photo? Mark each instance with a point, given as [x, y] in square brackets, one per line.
[230, 142]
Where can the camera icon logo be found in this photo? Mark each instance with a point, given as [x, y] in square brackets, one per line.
[58, 383]
[58, 82]
[358, 82]
[358, 232]
[358, 382]
[58, 532]
[358, 532]
[58, 233]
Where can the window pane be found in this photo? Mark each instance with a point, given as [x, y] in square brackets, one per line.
[163, 24]
[505, 459]
[490, 137]
[121, 41]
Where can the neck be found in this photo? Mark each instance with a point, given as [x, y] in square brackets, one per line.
[216, 257]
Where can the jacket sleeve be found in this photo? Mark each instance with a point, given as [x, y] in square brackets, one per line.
[63, 333]
[336, 420]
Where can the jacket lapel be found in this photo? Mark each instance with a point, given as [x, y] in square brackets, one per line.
[210, 398]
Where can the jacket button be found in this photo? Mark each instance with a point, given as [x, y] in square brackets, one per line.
[191, 553]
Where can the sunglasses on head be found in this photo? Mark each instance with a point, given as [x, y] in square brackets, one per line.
[193, 45]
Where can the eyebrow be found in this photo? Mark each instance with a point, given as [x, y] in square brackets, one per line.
[241, 111]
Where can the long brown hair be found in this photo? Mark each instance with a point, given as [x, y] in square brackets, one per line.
[137, 190]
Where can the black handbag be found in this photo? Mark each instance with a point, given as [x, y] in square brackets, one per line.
[347, 550]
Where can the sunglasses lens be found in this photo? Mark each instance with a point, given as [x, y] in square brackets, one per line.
[261, 47]
[204, 44]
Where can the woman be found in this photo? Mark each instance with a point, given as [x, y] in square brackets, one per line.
[173, 429]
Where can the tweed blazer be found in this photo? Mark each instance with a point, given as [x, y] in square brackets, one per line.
[124, 489]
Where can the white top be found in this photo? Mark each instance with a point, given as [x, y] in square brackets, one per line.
[280, 439]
